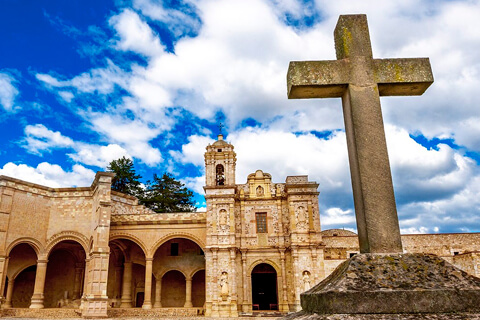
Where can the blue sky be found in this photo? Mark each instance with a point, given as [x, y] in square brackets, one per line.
[85, 82]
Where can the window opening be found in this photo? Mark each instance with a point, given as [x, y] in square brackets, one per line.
[174, 249]
[220, 175]
[261, 218]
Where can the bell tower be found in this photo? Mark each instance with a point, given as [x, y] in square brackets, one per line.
[220, 162]
[220, 250]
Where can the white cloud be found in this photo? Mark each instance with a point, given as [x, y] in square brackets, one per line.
[193, 151]
[97, 155]
[99, 80]
[66, 95]
[414, 230]
[177, 21]
[135, 35]
[40, 139]
[8, 92]
[51, 175]
[133, 134]
[337, 217]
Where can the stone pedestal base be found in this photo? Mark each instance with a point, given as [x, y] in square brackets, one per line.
[393, 284]
[95, 307]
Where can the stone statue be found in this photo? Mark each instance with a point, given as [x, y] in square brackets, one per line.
[224, 285]
[306, 280]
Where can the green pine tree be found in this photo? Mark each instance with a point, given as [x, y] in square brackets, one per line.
[166, 194]
[125, 180]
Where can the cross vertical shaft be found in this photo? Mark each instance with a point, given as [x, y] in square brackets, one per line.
[360, 80]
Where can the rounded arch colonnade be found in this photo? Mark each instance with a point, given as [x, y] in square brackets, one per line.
[50, 276]
[172, 275]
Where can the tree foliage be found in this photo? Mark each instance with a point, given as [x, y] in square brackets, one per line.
[125, 180]
[166, 194]
[162, 194]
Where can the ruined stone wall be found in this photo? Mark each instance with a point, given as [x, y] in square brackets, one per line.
[469, 262]
[453, 247]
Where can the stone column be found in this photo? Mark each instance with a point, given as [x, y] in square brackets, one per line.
[127, 286]
[79, 267]
[284, 304]
[158, 293]
[147, 304]
[118, 284]
[188, 293]
[37, 298]
[8, 300]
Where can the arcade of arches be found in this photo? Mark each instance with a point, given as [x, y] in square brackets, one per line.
[257, 246]
[176, 273]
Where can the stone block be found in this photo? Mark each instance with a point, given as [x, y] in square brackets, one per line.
[394, 283]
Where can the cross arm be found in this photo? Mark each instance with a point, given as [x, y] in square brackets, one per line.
[317, 79]
[403, 77]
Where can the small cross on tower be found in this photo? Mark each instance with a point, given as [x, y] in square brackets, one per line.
[360, 80]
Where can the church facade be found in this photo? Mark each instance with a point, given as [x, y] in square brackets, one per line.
[256, 248]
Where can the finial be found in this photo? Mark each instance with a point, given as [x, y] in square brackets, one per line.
[220, 127]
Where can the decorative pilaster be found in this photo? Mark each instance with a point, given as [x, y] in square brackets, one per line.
[296, 276]
[246, 305]
[284, 303]
[3, 273]
[95, 301]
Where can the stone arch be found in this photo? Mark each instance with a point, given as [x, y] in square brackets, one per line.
[121, 246]
[66, 235]
[195, 271]
[267, 261]
[174, 235]
[14, 276]
[172, 269]
[34, 243]
[131, 237]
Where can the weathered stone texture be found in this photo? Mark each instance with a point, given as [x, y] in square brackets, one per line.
[409, 282]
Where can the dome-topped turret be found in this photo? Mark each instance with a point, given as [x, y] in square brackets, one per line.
[220, 163]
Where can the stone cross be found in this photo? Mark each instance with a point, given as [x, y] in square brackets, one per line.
[360, 80]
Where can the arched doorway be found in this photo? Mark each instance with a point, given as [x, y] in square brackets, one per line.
[65, 275]
[264, 287]
[179, 265]
[198, 289]
[21, 276]
[126, 275]
[173, 289]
